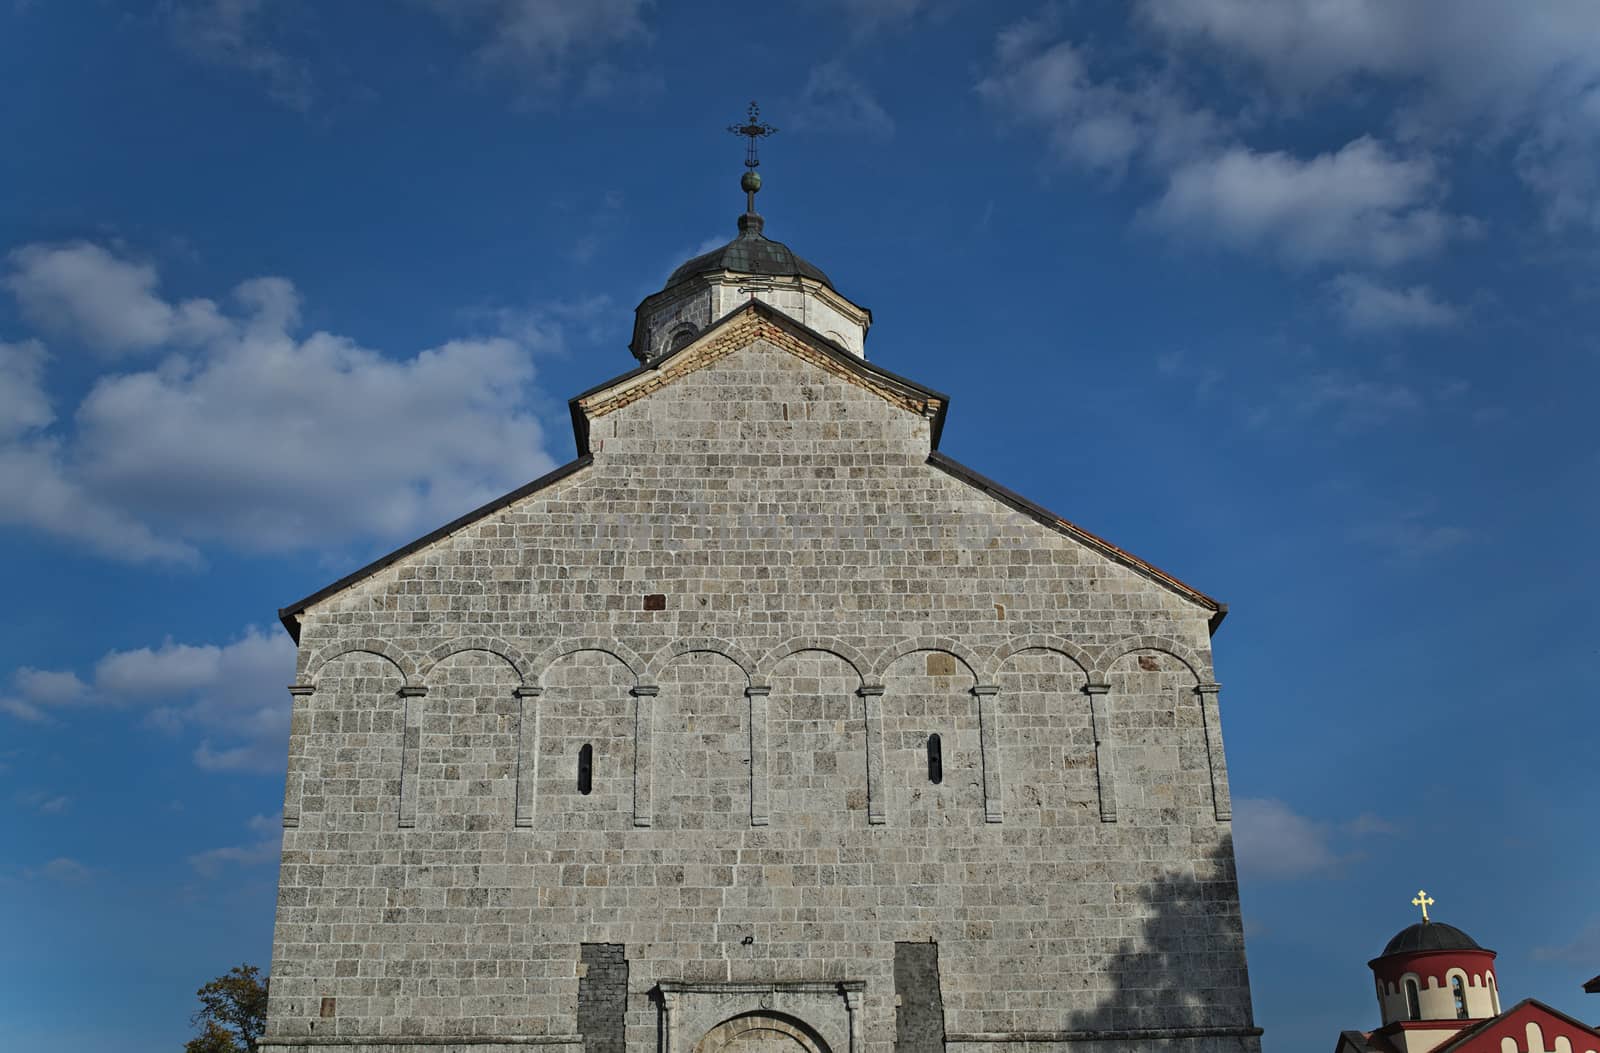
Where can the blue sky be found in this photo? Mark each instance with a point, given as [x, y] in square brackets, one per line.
[1296, 299]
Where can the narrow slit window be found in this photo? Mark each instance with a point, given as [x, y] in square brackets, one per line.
[935, 759]
[1460, 991]
[586, 769]
[1413, 1002]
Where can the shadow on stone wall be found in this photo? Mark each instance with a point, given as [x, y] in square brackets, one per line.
[1186, 967]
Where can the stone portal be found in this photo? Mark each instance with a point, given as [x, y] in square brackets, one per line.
[761, 1017]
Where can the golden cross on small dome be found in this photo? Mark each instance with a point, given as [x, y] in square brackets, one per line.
[1423, 900]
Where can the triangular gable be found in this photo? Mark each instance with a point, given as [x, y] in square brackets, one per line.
[752, 321]
[1513, 1023]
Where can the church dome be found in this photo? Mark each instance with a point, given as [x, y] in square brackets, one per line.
[1430, 936]
[751, 252]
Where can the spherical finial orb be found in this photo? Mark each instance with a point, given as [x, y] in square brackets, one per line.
[750, 182]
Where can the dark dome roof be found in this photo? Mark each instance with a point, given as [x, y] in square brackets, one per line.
[751, 253]
[1430, 936]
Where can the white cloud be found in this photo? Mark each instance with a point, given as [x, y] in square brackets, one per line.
[248, 433]
[1493, 70]
[38, 492]
[232, 695]
[240, 34]
[61, 869]
[542, 41]
[1366, 306]
[1583, 949]
[1043, 80]
[266, 849]
[1349, 403]
[24, 406]
[1272, 841]
[1469, 54]
[836, 99]
[84, 292]
[45, 803]
[1408, 537]
[1360, 203]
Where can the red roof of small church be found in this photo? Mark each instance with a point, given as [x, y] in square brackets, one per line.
[1515, 1023]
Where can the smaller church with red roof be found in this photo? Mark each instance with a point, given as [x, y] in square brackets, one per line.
[1437, 993]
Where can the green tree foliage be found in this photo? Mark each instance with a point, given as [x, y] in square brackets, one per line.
[232, 1013]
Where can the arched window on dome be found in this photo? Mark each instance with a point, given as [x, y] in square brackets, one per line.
[1494, 995]
[1413, 1001]
[1459, 991]
[682, 336]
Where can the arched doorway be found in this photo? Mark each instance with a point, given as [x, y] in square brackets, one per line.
[761, 1032]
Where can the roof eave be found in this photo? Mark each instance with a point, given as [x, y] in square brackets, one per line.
[290, 615]
[1043, 515]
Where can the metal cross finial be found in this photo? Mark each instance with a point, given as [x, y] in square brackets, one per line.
[753, 129]
[1423, 900]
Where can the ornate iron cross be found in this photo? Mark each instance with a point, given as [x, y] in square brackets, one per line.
[755, 130]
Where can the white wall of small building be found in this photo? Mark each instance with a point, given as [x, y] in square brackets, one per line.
[1436, 999]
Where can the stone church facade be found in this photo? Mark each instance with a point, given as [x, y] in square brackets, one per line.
[762, 723]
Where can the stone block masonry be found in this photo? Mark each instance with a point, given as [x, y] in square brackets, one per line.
[758, 835]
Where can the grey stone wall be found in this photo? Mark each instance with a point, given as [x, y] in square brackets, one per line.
[761, 808]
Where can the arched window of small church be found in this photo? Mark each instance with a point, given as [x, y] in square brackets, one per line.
[935, 759]
[1494, 996]
[586, 769]
[1459, 990]
[1413, 1001]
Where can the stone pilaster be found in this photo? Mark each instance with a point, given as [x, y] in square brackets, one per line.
[760, 813]
[1216, 760]
[644, 721]
[988, 746]
[527, 752]
[872, 714]
[299, 726]
[410, 746]
[1104, 763]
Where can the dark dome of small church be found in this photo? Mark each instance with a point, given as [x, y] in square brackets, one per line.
[751, 253]
[1430, 936]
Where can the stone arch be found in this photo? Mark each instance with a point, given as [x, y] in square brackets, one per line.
[681, 335]
[491, 644]
[898, 650]
[381, 648]
[766, 1031]
[621, 652]
[1199, 667]
[704, 645]
[829, 644]
[1061, 646]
